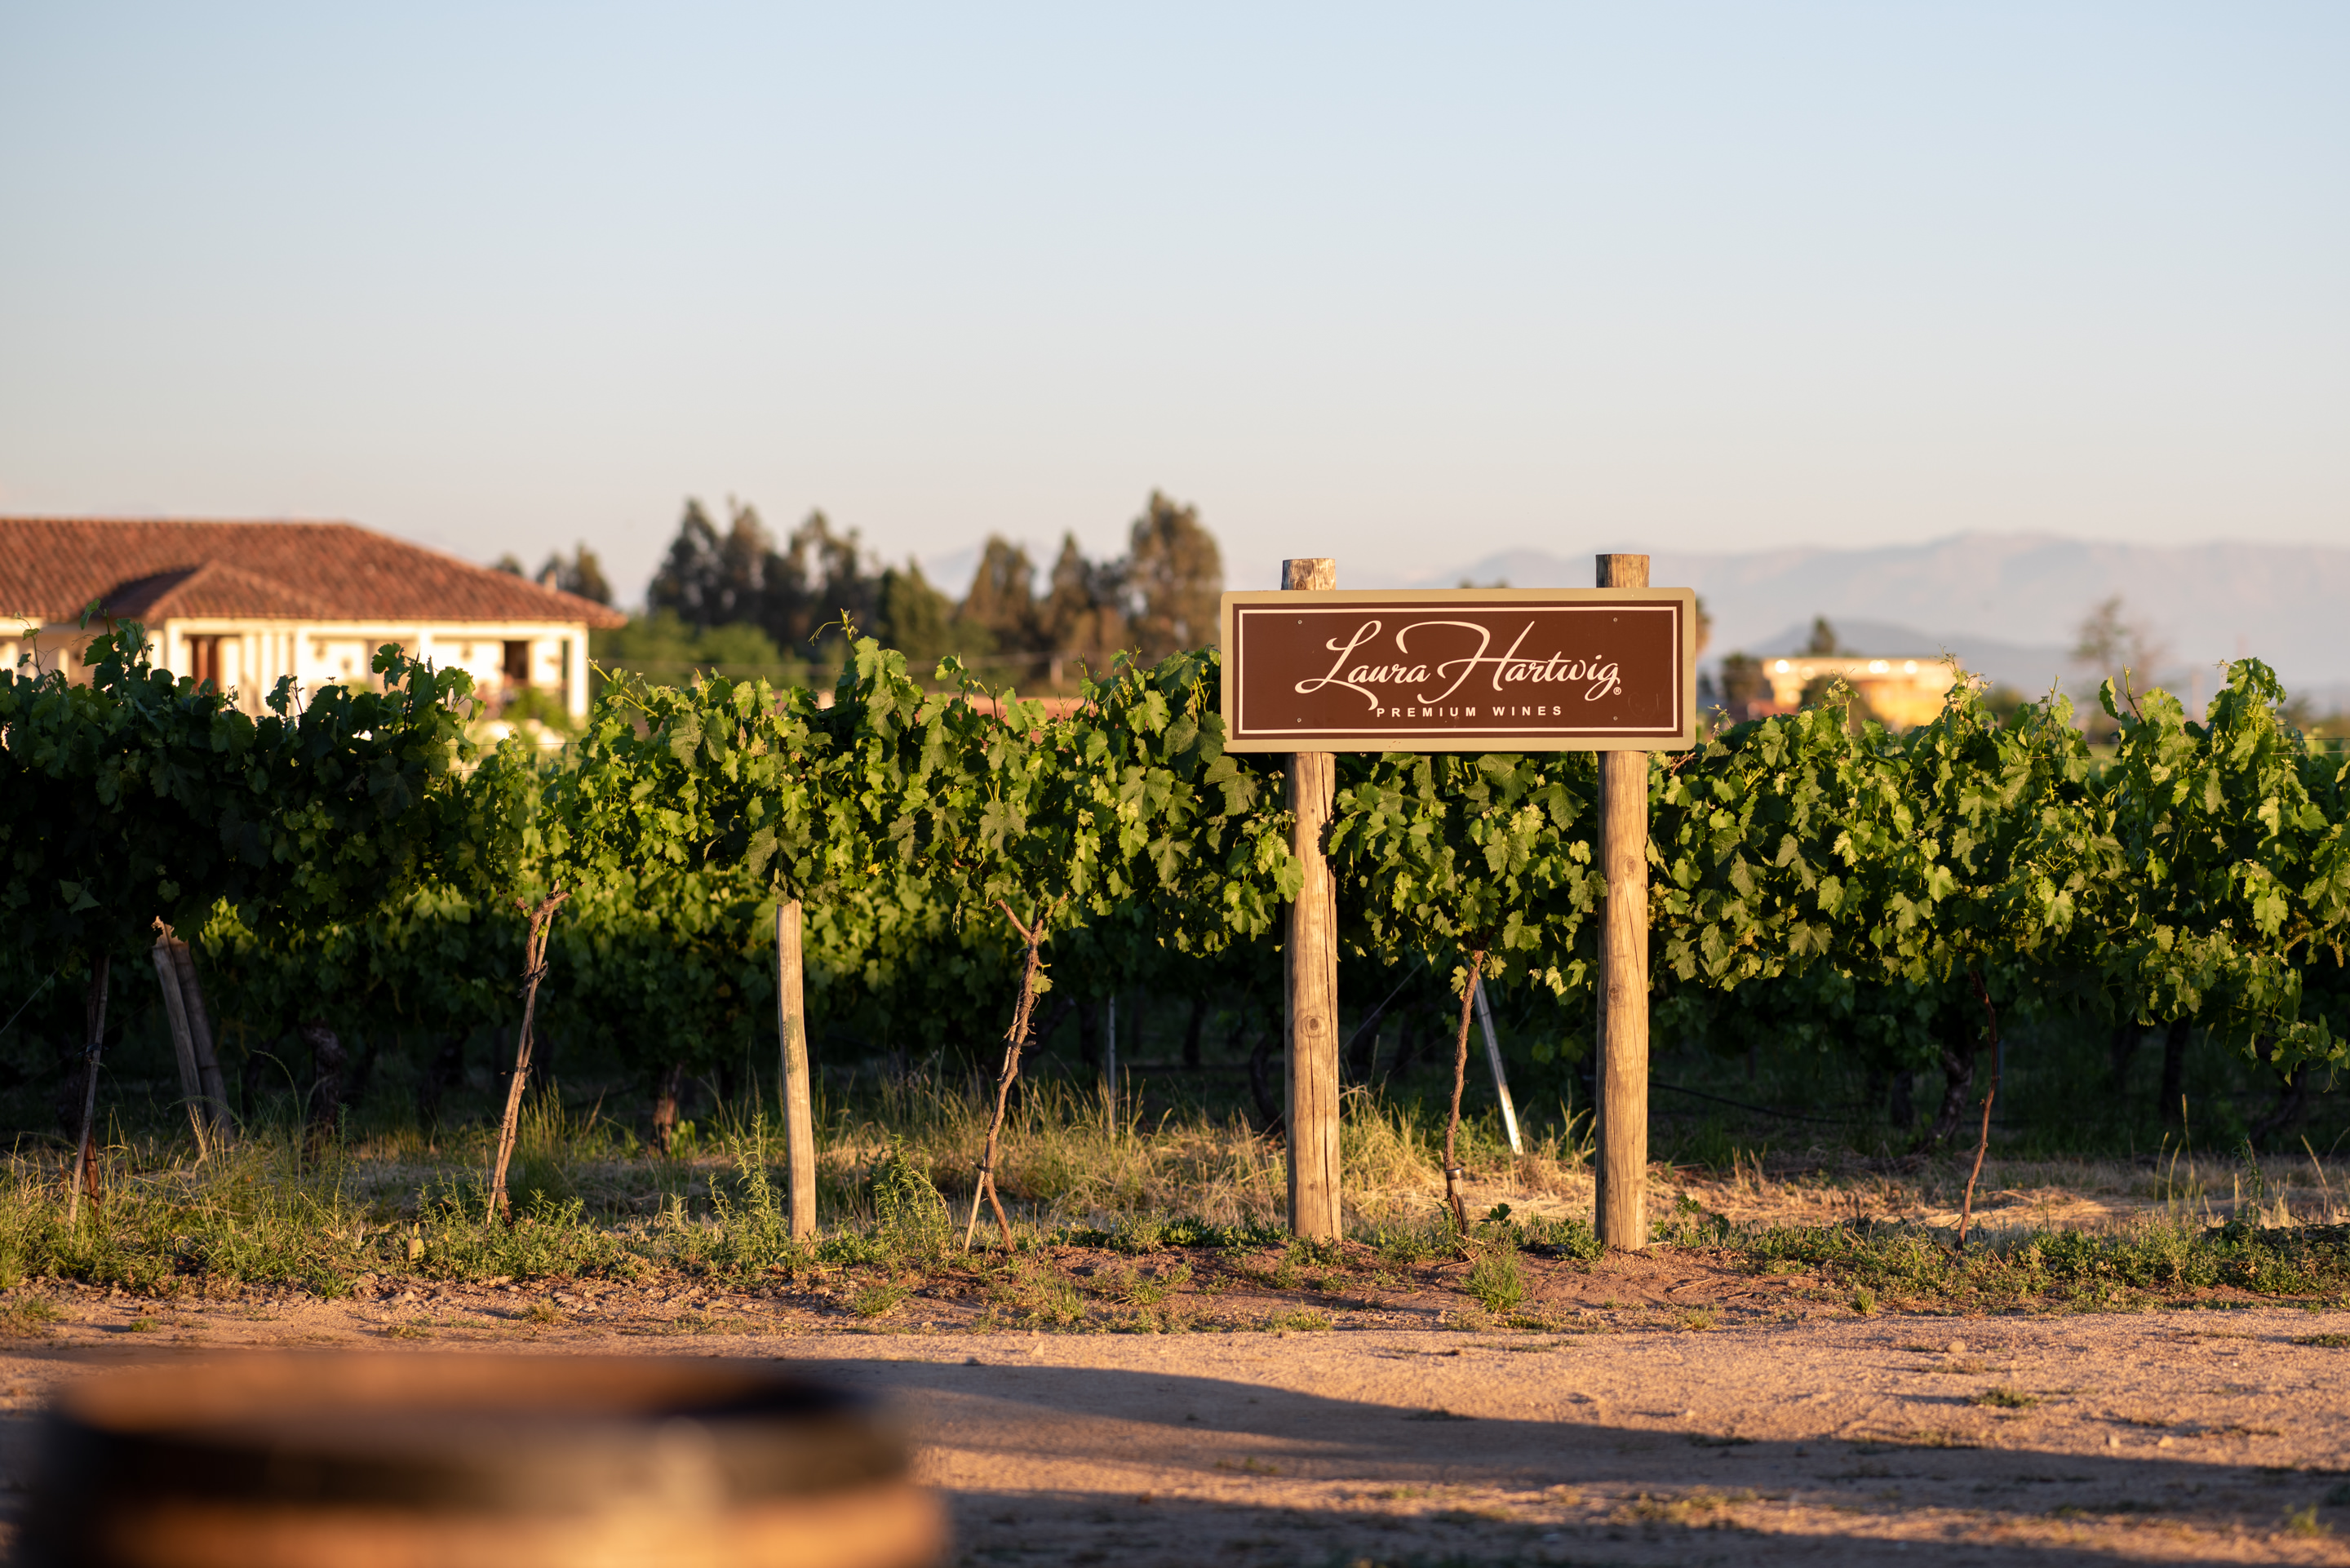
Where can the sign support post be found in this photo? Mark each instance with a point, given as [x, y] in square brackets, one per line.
[1310, 965]
[1621, 1203]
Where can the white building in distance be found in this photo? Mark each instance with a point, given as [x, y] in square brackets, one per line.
[242, 604]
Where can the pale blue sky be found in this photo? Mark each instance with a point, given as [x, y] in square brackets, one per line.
[1401, 286]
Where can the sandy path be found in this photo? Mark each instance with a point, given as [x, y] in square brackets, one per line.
[2188, 1437]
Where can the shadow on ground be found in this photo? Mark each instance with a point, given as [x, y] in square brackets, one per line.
[1053, 1465]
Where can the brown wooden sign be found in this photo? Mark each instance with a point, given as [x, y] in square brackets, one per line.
[1484, 670]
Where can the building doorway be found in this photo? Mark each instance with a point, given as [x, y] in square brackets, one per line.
[204, 662]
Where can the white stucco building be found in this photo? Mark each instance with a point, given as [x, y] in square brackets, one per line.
[1904, 691]
[242, 604]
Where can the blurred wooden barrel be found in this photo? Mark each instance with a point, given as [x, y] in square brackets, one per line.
[394, 1459]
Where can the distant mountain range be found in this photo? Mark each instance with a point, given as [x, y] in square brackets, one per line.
[2008, 604]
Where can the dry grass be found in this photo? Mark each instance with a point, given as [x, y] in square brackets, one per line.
[1859, 1235]
[2016, 1197]
[1066, 1162]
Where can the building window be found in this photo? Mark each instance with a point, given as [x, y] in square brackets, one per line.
[517, 665]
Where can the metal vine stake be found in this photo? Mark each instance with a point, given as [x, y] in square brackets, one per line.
[533, 970]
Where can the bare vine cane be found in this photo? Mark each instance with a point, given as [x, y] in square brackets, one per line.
[85, 1175]
[1013, 1039]
[1983, 1142]
[533, 970]
[1459, 1077]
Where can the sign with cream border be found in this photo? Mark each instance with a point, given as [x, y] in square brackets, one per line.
[1466, 670]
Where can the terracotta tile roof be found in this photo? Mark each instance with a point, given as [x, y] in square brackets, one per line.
[214, 588]
[152, 571]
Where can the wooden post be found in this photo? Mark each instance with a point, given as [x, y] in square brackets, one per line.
[200, 1035]
[1621, 1204]
[799, 1102]
[183, 1046]
[1310, 1016]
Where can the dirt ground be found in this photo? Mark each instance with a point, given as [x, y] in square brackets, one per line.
[1790, 1430]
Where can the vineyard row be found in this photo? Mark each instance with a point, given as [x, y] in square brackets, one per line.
[349, 860]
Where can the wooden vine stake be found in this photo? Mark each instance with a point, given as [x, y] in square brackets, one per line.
[1622, 1203]
[200, 1035]
[799, 1099]
[1013, 1039]
[533, 970]
[1310, 962]
[202, 1088]
[183, 1044]
[85, 1173]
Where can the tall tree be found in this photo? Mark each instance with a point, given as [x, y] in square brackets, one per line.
[2113, 648]
[1084, 612]
[747, 562]
[1743, 685]
[689, 581]
[582, 574]
[823, 577]
[714, 579]
[914, 617]
[1174, 568]
[1000, 606]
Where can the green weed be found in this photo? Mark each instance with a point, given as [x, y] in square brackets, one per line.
[28, 1317]
[880, 1298]
[2005, 1399]
[1496, 1281]
[544, 1240]
[1041, 1298]
[1405, 1244]
[2082, 1269]
[1139, 1289]
[910, 1216]
[1563, 1238]
[1320, 1252]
